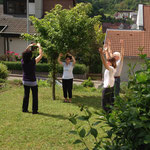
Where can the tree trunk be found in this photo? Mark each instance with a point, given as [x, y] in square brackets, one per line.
[54, 79]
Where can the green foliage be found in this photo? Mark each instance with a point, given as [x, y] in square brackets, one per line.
[3, 71]
[64, 30]
[111, 6]
[44, 67]
[88, 83]
[43, 83]
[40, 67]
[83, 132]
[128, 124]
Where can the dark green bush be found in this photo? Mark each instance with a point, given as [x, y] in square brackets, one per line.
[88, 83]
[3, 71]
[128, 125]
[45, 67]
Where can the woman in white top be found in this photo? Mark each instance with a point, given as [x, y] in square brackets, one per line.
[67, 78]
[109, 80]
[119, 62]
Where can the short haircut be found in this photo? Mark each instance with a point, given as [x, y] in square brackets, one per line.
[116, 54]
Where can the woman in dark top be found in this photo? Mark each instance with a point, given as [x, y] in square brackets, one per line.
[29, 79]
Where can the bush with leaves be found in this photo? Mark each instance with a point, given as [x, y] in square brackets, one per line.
[128, 124]
[3, 71]
[88, 83]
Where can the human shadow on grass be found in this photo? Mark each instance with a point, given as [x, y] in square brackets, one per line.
[89, 101]
[53, 116]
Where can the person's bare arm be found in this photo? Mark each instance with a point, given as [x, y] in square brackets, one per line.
[103, 59]
[59, 58]
[38, 58]
[109, 49]
[122, 49]
[30, 45]
[73, 58]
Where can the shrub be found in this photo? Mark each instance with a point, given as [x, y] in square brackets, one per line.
[43, 83]
[88, 83]
[45, 67]
[128, 123]
[3, 71]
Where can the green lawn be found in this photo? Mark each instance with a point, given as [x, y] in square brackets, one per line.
[48, 130]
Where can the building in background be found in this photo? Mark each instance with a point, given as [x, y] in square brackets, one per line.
[13, 20]
[139, 37]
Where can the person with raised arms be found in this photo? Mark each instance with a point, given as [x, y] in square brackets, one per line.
[119, 57]
[67, 78]
[109, 80]
[29, 78]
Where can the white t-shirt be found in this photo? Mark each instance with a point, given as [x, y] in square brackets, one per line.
[119, 64]
[67, 70]
[109, 79]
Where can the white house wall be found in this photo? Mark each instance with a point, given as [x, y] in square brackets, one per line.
[17, 45]
[1, 45]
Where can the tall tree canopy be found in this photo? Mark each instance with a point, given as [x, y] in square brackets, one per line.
[63, 30]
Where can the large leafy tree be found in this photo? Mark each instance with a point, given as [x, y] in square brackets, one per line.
[63, 30]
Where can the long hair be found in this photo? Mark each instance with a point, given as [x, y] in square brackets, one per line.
[112, 61]
[27, 55]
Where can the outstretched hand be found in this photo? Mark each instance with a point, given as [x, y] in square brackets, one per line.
[100, 50]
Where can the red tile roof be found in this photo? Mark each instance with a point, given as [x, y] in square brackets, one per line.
[133, 38]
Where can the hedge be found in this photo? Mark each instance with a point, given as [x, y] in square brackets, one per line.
[44, 67]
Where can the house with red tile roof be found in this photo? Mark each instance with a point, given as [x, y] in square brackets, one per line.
[13, 21]
[139, 37]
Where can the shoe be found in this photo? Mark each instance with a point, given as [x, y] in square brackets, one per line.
[34, 112]
[25, 111]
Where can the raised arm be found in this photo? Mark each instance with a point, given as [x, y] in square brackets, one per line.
[122, 49]
[109, 49]
[30, 45]
[59, 58]
[38, 58]
[103, 59]
[73, 58]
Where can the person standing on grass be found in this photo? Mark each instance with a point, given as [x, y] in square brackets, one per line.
[67, 78]
[109, 80]
[119, 61]
[29, 79]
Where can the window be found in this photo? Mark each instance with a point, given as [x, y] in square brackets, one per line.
[31, 1]
[15, 7]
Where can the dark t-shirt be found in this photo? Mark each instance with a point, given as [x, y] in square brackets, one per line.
[29, 70]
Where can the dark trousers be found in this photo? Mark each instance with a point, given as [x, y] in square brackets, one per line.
[117, 86]
[67, 87]
[26, 98]
[107, 98]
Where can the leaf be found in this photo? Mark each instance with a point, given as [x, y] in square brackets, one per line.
[147, 139]
[94, 132]
[86, 148]
[73, 132]
[83, 118]
[96, 123]
[77, 141]
[73, 121]
[82, 133]
[141, 77]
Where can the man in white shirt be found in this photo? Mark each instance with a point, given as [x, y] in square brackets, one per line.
[119, 61]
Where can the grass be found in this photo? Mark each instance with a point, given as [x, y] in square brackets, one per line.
[48, 130]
